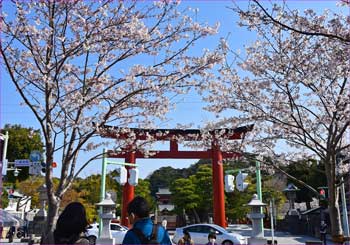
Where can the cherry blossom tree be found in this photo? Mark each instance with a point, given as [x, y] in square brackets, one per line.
[79, 65]
[293, 83]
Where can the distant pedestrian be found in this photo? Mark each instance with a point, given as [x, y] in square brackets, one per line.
[164, 223]
[323, 232]
[186, 239]
[25, 225]
[143, 230]
[71, 225]
[11, 233]
[211, 239]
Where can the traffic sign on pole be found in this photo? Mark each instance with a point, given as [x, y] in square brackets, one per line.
[22, 163]
[35, 156]
[35, 168]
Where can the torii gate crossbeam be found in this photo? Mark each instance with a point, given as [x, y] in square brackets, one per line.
[171, 135]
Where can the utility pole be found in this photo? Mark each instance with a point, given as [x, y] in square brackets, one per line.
[3, 153]
[258, 189]
[345, 211]
[103, 188]
[105, 161]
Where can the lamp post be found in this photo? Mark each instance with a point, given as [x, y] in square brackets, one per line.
[105, 162]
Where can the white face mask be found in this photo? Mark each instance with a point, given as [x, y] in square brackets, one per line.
[212, 240]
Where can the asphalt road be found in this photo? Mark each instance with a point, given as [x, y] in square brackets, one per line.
[283, 238]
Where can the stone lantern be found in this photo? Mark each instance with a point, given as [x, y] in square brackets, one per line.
[43, 199]
[37, 226]
[292, 216]
[108, 213]
[256, 217]
[291, 193]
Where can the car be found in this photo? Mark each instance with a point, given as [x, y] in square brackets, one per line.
[118, 232]
[199, 234]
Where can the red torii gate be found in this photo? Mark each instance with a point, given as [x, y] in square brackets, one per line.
[171, 135]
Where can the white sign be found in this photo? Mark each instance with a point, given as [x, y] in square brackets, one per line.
[22, 163]
[35, 168]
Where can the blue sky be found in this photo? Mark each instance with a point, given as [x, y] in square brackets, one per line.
[188, 109]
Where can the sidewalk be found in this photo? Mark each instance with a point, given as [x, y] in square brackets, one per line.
[21, 241]
[283, 238]
[15, 241]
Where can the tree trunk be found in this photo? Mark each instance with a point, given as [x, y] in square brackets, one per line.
[53, 201]
[333, 204]
[47, 236]
[196, 217]
[334, 211]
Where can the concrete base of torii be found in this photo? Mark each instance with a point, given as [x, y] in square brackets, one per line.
[109, 241]
[257, 240]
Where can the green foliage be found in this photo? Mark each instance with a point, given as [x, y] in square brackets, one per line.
[204, 190]
[4, 199]
[163, 177]
[236, 201]
[310, 172]
[29, 187]
[143, 189]
[89, 191]
[21, 142]
[184, 194]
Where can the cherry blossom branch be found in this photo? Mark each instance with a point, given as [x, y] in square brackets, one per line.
[309, 33]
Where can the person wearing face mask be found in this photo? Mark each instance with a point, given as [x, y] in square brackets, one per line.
[211, 239]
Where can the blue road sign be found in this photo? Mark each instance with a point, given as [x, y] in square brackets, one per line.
[35, 156]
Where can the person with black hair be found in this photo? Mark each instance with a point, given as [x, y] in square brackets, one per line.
[71, 225]
[143, 230]
[11, 233]
[186, 239]
[323, 232]
[211, 238]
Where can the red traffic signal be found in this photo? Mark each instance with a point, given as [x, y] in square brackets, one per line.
[322, 194]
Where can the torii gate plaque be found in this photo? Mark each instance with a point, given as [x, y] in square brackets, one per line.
[171, 135]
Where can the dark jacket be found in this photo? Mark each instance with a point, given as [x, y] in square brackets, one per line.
[145, 225]
[183, 241]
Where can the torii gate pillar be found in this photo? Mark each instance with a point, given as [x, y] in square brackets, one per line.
[128, 191]
[170, 135]
[218, 186]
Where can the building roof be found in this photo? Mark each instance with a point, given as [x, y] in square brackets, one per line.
[163, 191]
